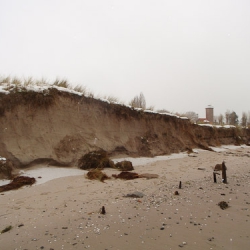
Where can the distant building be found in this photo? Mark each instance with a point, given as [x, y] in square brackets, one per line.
[209, 115]
[203, 120]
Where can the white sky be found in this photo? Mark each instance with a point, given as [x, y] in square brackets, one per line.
[182, 54]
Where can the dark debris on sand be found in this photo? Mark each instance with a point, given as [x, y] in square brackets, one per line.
[18, 182]
[223, 205]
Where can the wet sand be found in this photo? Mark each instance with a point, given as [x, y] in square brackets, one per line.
[64, 213]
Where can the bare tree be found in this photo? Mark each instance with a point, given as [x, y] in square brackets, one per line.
[216, 119]
[233, 118]
[220, 119]
[192, 116]
[151, 108]
[244, 119]
[138, 101]
[227, 115]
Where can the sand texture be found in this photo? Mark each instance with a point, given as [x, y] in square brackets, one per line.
[65, 213]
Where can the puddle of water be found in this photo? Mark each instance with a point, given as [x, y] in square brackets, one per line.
[147, 160]
[3, 182]
[47, 174]
[227, 147]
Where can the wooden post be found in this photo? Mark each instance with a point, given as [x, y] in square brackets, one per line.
[103, 211]
[180, 185]
[224, 172]
[215, 181]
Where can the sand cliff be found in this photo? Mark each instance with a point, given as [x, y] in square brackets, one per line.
[60, 127]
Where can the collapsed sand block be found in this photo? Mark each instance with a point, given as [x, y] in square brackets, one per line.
[18, 182]
[95, 159]
[6, 168]
[124, 166]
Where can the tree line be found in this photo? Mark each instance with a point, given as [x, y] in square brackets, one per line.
[230, 117]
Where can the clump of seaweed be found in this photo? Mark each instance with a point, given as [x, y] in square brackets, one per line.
[18, 182]
[97, 174]
[223, 205]
[6, 229]
[126, 175]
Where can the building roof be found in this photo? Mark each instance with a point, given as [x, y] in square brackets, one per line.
[204, 120]
[209, 107]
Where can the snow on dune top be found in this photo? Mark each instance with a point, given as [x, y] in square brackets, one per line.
[7, 88]
[206, 125]
[40, 87]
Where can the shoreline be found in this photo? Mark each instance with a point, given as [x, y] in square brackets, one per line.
[43, 173]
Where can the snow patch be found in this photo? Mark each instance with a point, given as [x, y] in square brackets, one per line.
[2, 158]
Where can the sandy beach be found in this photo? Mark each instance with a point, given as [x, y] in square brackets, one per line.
[64, 213]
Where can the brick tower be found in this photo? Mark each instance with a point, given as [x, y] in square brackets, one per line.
[210, 113]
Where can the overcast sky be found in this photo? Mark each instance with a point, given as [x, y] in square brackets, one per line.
[181, 54]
